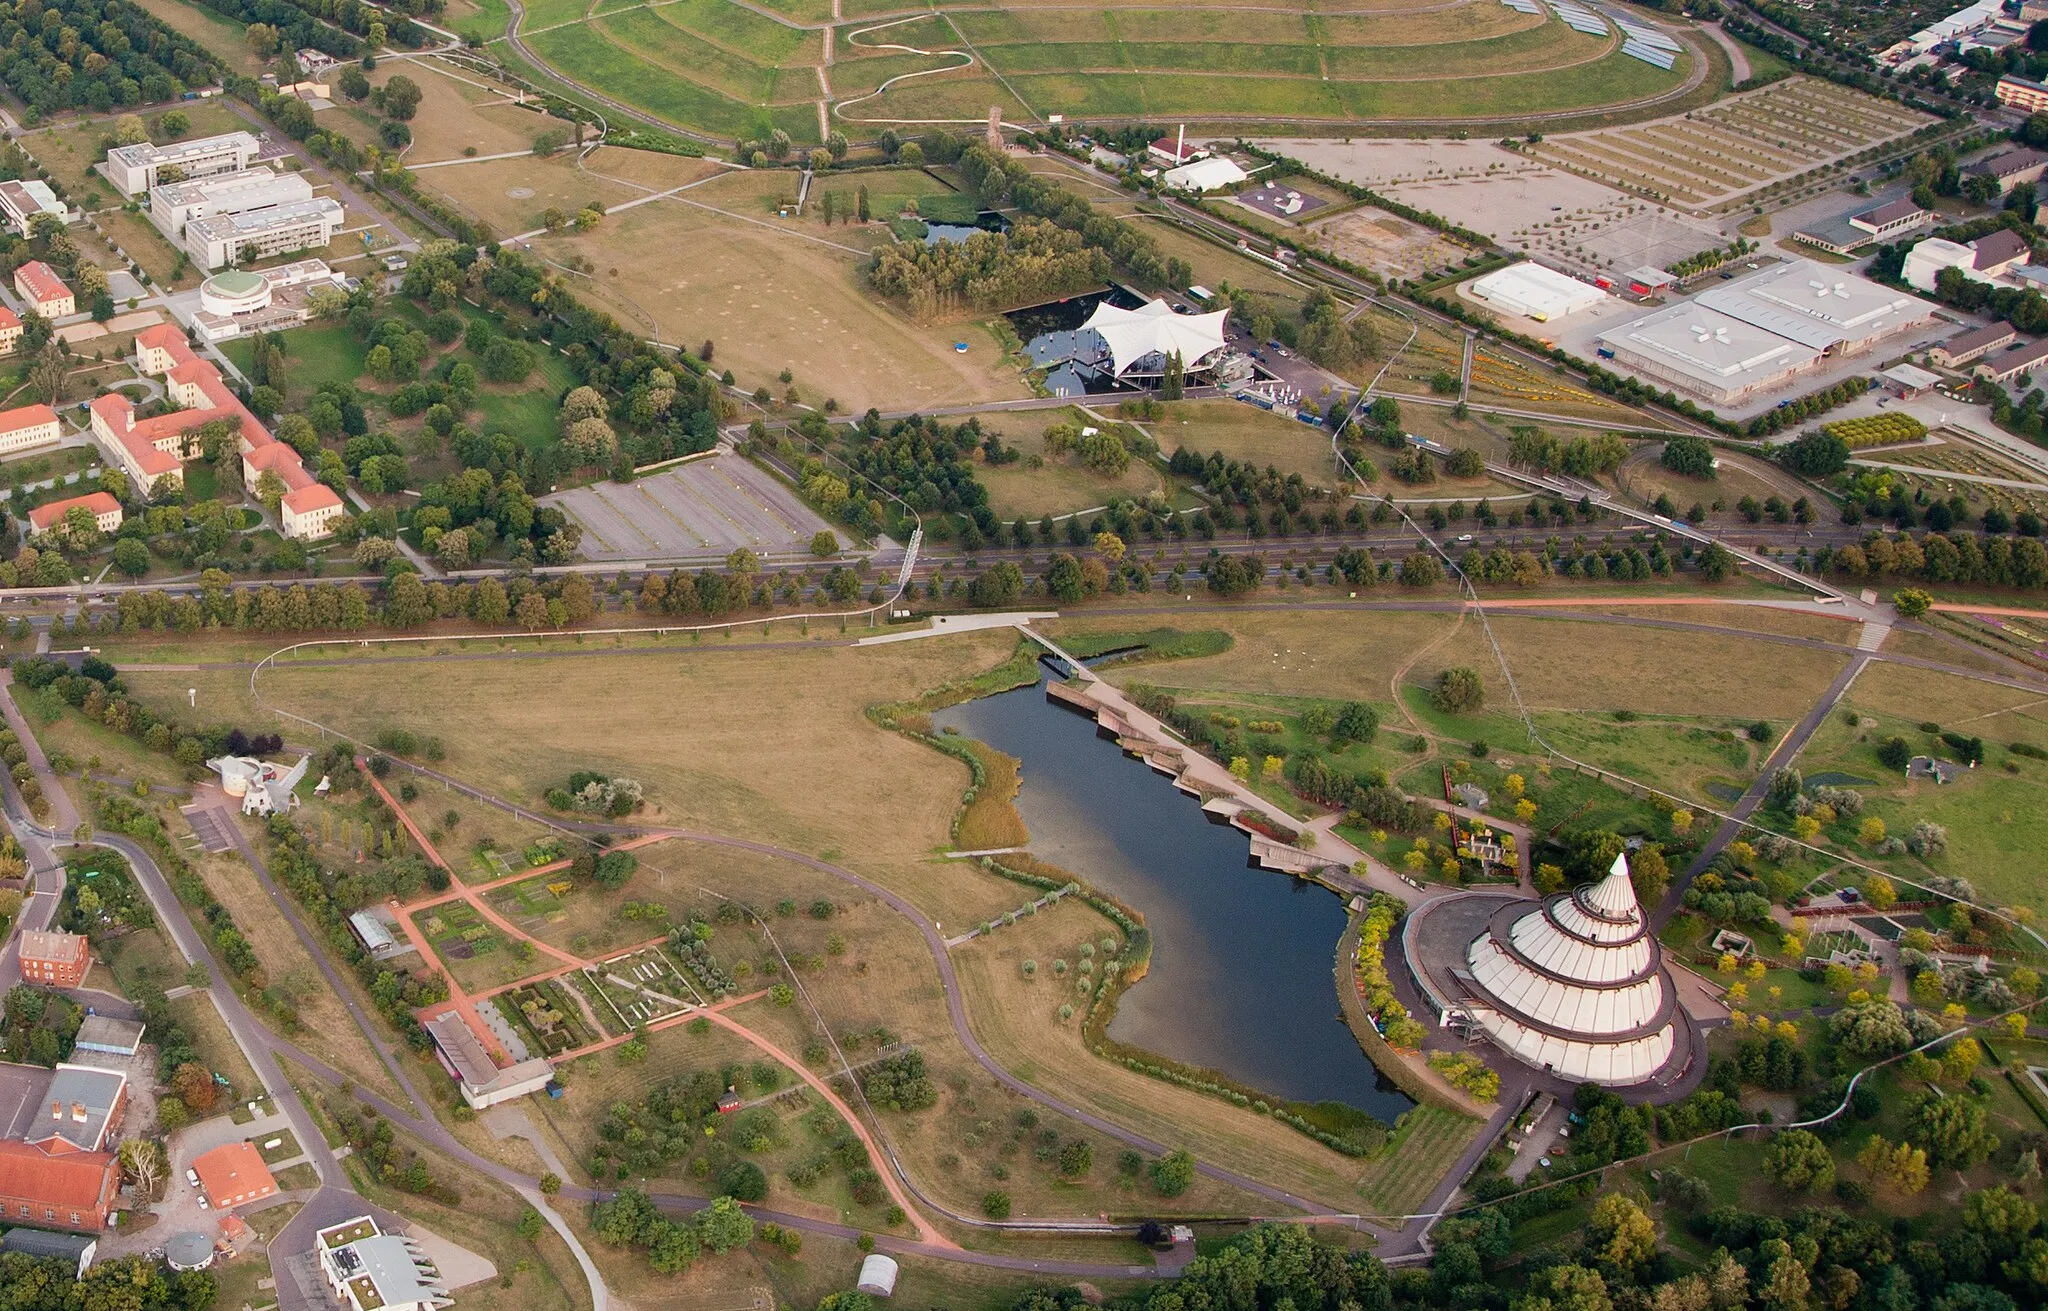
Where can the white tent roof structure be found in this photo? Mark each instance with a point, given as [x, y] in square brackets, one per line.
[1577, 985]
[1154, 329]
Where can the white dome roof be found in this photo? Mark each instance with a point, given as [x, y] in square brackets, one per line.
[1576, 985]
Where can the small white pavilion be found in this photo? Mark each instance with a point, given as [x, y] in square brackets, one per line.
[264, 788]
[1141, 340]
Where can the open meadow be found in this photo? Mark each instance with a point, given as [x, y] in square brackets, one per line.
[728, 70]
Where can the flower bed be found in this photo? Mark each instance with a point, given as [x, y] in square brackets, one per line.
[1375, 989]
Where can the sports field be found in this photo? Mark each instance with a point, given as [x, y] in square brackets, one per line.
[724, 69]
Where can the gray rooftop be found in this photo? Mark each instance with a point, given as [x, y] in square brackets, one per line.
[254, 221]
[104, 1031]
[1814, 305]
[1715, 348]
[147, 153]
[76, 1106]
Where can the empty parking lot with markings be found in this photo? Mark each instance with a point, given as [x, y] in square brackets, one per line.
[706, 508]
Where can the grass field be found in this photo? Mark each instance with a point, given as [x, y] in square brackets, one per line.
[1245, 432]
[772, 294]
[1057, 486]
[739, 71]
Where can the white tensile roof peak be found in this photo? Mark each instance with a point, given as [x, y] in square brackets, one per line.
[1614, 897]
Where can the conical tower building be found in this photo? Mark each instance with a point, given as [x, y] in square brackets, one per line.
[1576, 985]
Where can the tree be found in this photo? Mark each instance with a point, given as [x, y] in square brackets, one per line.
[1911, 602]
[995, 1204]
[1817, 454]
[1874, 1029]
[46, 375]
[999, 585]
[1620, 1233]
[724, 1226]
[1798, 1162]
[532, 612]
[1900, 1167]
[193, 1084]
[1458, 691]
[408, 605]
[131, 557]
[270, 489]
[2001, 1216]
[1173, 1173]
[823, 544]
[1952, 1129]
[401, 98]
[353, 84]
[143, 1159]
[1234, 575]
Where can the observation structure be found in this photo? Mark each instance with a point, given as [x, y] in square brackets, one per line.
[1574, 985]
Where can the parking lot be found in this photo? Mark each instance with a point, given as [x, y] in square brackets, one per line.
[704, 509]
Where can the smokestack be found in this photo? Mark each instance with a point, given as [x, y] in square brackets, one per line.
[1180, 145]
[78, 1111]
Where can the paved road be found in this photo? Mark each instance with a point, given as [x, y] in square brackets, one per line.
[1787, 751]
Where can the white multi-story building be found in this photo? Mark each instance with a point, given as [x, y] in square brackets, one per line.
[259, 233]
[135, 169]
[173, 205]
[370, 1270]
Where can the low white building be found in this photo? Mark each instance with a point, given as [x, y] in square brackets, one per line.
[482, 1083]
[223, 239]
[173, 205]
[1991, 258]
[135, 169]
[1536, 292]
[264, 788]
[23, 201]
[370, 1270]
[239, 303]
[1211, 174]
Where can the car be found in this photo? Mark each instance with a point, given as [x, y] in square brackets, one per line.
[202, 1203]
[192, 1177]
[1274, 343]
[1464, 537]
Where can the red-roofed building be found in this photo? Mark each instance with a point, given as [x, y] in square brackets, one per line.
[38, 284]
[149, 449]
[31, 425]
[1176, 150]
[67, 1190]
[234, 1174]
[10, 329]
[105, 510]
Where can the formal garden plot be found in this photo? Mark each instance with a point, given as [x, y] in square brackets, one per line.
[644, 986]
[477, 955]
[551, 1018]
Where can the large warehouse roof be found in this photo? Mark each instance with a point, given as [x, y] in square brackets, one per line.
[1535, 291]
[1154, 329]
[1715, 348]
[1815, 305]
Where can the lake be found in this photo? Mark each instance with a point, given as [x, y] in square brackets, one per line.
[1241, 977]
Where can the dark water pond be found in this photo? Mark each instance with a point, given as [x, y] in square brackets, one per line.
[1241, 957]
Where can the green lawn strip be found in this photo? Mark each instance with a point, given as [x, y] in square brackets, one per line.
[762, 40]
[679, 53]
[1544, 46]
[584, 55]
[1613, 80]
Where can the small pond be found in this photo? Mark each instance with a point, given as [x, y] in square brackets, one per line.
[1241, 978]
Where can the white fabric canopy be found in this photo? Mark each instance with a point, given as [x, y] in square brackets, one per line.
[1154, 329]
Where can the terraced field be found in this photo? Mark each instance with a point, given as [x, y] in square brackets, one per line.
[809, 67]
[1713, 159]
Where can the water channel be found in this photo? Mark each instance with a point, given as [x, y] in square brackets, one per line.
[1241, 957]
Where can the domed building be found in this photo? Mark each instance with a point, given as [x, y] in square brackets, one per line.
[1574, 985]
[234, 291]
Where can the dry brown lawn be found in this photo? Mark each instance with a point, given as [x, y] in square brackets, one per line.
[777, 295]
[1337, 654]
[510, 194]
[1950, 700]
[326, 1028]
[1017, 1019]
[1562, 664]
[458, 113]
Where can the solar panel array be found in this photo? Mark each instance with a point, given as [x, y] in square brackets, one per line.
[1578, 18]
[1523, 6]
[1646, 43]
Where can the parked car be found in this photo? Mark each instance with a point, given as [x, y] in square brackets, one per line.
[192, 1177]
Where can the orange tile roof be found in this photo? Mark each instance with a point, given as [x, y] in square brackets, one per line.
[41, 281]
[234, 1172]
[263, 451]
[71, 1181]
[8, 318]
[27, 416]
[98, 503]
